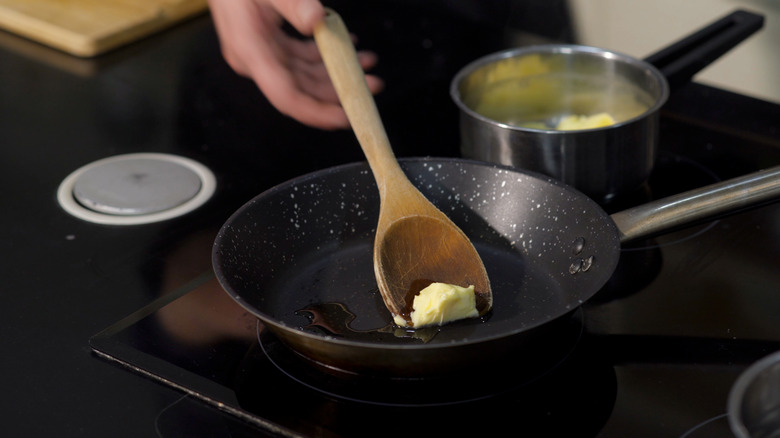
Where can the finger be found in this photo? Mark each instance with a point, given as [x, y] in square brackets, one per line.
[316, 103]
[304, 49]
[286, 95]
[375, 84]
[314, 80]
[315, 113]
[313, 103]
[317, 71]
[302, 14]
[322, 89]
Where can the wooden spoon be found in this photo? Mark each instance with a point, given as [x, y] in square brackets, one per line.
[415, 243]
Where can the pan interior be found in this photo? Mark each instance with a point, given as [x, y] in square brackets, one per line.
[307, 244]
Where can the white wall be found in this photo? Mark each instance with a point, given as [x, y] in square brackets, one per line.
[640, 27]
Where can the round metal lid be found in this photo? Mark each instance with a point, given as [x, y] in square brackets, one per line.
[136, 189]
[136, 186]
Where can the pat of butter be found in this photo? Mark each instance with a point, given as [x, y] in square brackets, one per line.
[441, 303]
[574, 122]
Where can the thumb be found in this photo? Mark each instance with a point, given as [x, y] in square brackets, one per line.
[303, 15]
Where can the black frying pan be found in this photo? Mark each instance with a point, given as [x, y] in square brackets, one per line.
[299, 257]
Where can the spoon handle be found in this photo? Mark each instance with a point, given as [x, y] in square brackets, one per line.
[338, 54]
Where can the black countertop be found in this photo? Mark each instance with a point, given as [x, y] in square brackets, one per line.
[66, 279]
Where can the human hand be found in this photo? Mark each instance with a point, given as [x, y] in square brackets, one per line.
[288, 71]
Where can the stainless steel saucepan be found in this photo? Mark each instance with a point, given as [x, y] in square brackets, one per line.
[513, 103]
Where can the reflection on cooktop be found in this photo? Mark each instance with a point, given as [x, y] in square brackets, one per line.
[271, 387]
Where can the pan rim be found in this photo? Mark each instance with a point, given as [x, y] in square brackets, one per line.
[275, 324]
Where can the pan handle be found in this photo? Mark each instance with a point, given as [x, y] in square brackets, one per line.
[683, 59]
[695, 206]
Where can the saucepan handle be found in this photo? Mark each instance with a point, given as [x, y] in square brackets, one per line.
[683, 59]
[706, 203]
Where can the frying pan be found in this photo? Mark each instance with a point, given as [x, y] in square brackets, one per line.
[298, 256]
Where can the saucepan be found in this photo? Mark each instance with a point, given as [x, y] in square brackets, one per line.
[299, 257]
[584, 115]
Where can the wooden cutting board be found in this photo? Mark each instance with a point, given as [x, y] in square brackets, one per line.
[90, 27]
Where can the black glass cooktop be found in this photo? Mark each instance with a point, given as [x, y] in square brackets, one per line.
[655, 351]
